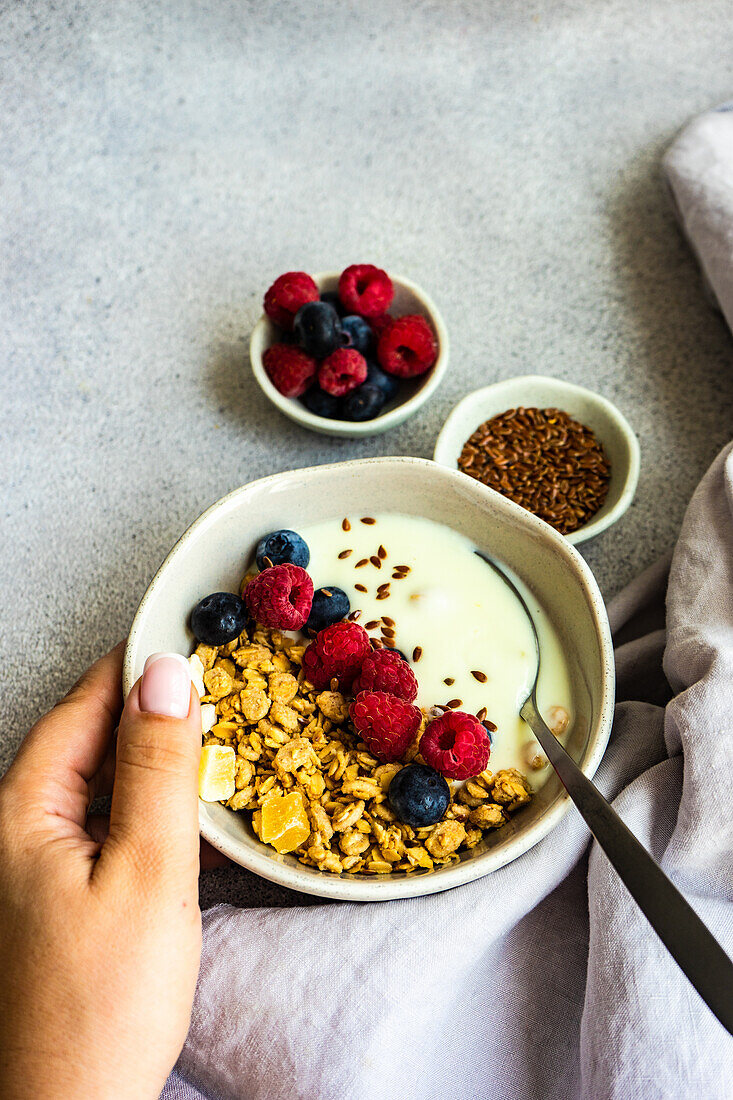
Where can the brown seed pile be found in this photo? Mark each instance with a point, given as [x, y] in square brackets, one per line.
[542, 459]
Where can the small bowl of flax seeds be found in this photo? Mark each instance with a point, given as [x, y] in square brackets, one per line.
[561, 451]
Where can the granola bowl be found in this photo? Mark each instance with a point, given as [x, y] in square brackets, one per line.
[217, 549]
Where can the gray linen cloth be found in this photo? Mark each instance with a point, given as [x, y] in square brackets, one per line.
[698, 167]
[543, 979]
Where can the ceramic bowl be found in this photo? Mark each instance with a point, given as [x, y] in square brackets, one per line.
[215, 551]
[408, 298]
[611, 428]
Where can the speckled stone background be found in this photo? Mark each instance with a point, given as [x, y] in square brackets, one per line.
[162, 162]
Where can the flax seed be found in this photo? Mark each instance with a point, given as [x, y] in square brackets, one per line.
[345, 525]
[369, 520]
[390, 643]
[490, 725]
[361, 588]
[387, 621]
[382, 552]
[345, 554]
[543, 460]
[376, 562]
[481, 714]
[354, 616]
[372, 624]
[449, 681]
[388, 632]
[480, 676]
[382, 595]
[453, 704]
[417, 653]
[362, 562]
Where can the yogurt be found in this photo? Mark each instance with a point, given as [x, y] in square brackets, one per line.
[467, 638]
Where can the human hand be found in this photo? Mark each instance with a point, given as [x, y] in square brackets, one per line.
[101, 939]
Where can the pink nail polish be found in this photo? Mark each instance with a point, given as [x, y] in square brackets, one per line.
[165, 687]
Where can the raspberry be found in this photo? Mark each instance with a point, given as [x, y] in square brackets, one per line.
[280, 597]
[286, 295]
[314, 669]
[290, 370]
[456, 745]
[387, 724]
[407, 347]
[365, 289]
[342, 372]
[336, 651]
[385, 670]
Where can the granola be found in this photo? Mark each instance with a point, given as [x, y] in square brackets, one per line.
[268, 734]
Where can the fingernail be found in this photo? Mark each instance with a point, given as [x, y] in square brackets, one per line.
[166, 685]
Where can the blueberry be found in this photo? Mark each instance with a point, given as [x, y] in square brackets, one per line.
[333, 299]
[280, 547]
[388, 384]
[363, 403]
[321, 403]
[330, 605]
[401, 654]
[219, 618]
[318, 329]
[358, 333]
[419, 795]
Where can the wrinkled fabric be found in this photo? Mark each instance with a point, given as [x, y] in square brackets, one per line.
[698, 167]
[542, 979]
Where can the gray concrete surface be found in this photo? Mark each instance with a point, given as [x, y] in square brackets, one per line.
[161, 163]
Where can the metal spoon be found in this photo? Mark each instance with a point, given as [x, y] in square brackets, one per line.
[676, 923]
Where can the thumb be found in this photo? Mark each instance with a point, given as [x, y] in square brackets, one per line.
[154, 812]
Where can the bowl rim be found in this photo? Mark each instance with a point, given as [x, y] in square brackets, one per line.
[628, 490]
[297, 412]
[309, 881]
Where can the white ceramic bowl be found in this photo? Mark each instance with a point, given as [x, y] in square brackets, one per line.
[214, 552]
[408, 298]
[611, 428]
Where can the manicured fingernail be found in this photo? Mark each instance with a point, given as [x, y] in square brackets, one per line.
[166, 685]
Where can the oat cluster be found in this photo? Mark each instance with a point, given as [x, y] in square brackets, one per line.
[288, 738]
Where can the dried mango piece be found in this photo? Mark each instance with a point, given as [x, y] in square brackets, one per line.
[216, 773]
[284, 823]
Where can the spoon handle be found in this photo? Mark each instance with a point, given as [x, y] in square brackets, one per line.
[676, 923]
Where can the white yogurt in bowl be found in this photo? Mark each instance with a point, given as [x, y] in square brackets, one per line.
[453, 618]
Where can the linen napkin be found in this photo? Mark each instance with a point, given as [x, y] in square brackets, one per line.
[543, 979]
[698, 168]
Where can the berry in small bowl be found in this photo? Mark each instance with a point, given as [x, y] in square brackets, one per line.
[355, 361]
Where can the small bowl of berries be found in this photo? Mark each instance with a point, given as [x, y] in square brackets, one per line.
[348, 354]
